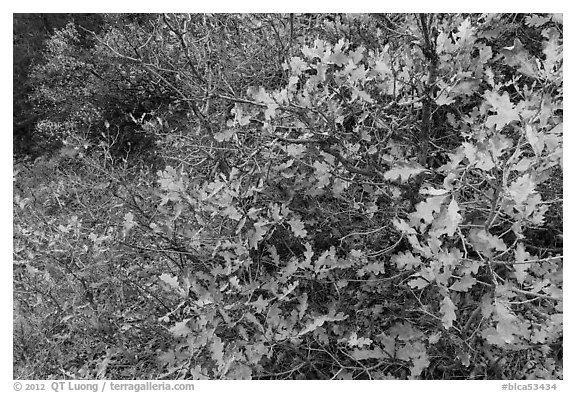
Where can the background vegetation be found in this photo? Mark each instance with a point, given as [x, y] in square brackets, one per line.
[302, 196]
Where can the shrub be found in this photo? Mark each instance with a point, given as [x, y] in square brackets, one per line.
[365, 210]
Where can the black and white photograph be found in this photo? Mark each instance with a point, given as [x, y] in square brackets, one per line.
[287, 196]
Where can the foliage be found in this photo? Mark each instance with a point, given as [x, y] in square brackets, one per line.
[29, 33]
[327, 200]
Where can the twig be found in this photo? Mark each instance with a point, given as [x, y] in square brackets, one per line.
[363, 233]
[542, 296]
[284, 372]
[388, 249]
[548, 259]
[471, 319]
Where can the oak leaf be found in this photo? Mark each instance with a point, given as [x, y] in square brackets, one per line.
[404, 171]
[505, 110]
[448, 312]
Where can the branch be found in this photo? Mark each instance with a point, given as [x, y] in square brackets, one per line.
[432, 57]
[180, 34]
[341, 159]
[548, 259]
[346, 163]
[536, 294]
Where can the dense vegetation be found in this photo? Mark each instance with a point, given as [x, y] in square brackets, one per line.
[309, 196]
